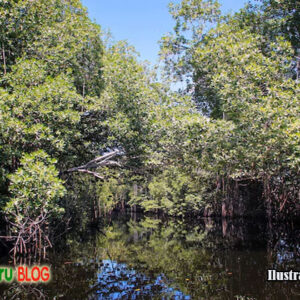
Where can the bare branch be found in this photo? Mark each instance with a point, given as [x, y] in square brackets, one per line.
[92, 173]
[97, 162]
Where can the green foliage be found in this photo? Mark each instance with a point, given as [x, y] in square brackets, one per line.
[241, 71]
[51, 80]
[56, 32]
[41, 115]
[35, 189]
[111, 193]
[284, 19]
[51, 62]
[173, 192]
[128, 98]
[64, 93]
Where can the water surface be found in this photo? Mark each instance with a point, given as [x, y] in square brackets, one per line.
[138, 257]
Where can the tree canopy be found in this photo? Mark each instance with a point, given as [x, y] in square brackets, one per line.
[68, 100]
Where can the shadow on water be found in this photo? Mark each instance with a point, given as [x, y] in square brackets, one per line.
[149, 258]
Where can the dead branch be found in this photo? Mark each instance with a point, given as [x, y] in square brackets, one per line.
[92, 173]
[100, 161]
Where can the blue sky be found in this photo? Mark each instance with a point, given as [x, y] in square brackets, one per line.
[141, 22]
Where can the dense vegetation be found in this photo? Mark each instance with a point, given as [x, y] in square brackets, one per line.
[71, 102]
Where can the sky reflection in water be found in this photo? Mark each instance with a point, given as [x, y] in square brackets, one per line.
[149, 258]
[117, 281]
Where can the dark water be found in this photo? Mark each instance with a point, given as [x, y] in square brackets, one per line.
[148, 258]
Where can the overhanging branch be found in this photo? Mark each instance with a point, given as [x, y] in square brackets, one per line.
[100, 161]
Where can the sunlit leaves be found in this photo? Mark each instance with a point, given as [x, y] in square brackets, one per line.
[35, 188]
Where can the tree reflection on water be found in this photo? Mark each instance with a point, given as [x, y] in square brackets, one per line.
[150, 258]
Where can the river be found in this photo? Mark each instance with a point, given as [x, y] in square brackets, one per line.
[146, 257]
